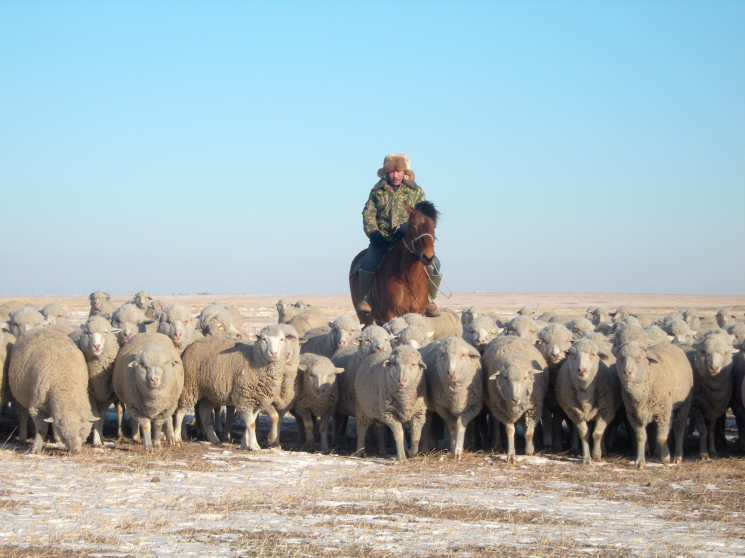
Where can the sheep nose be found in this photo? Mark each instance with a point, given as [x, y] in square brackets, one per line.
[342, 343]
[96, 348]
[238, 336]
[453, 375]
[273, 354]
[516, 400]
[154, 382]
[402, 383]
[381, 349]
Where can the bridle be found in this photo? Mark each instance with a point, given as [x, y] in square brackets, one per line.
[411, 248]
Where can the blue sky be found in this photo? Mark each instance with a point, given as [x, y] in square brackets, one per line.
[228, 147]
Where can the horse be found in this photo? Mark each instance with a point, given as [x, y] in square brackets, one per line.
[401, 284]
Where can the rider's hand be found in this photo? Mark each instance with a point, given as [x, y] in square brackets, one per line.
[402, 229]
[377, 240]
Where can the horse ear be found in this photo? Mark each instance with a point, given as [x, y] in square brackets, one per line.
[410, 209]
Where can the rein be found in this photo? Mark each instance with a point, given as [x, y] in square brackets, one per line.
[411, 248]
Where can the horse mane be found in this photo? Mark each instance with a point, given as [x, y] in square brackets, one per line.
[428, 210]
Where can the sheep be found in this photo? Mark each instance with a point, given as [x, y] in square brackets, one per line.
[316, 331]
[469, 314]
[372, 340]
[656, 386]
[526, 311]
[128, 320]
[307, 320]
[224, 372]
[561, 319]
[286, 310]
[414, 336]
[620, 313]
[55, 314]
[6, 349]
[101, 305]
[218, 323]
[148, 379]
[517, 381]
[600, 315]
[587, 389]
[692, 318]
[480, 332]
[546, 316]
[6, 308]
[737, 331]
[522, 326]
[390, 388]
[632, 332]
[395, 325]
[725, 317]
[417, 320]
[553, 342]
[318, 396]
[455, 389]
[23, 320]
[100, 347]
[142, 300]
[444, 326]
[655, 335]
[343, 330]
[625, 321]
[177, 323]
[290, 388]
[155, 308]
[670, 318]
[48, 379]
[680, 331]
[235, 315]
[712, 363]
[579, 327]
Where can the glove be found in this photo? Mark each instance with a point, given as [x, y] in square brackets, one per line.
[377, 240]
[401, 231]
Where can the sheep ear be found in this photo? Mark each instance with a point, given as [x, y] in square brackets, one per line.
[253, 337]
[302, 340]
[603, 356]
[50, 420]
[495, 375]
[289, 336]
[177, 362]
[148, 322]
[114, 330]
[108, 296]
[422, 365]
[338, 370]
[331, 324]
[132, 364]
[430, 334]
[387, 363]
[302, 368]
[92, 419]
[652, 359]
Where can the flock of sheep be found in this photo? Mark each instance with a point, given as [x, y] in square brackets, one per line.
[469, 378]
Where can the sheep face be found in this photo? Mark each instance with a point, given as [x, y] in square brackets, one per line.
[479, 332]
[374, 339]
[413, 336]
[271, 343]
[713, 354]
[343, 331]
[142, 300]
[404, 367]
[583, 361]
[600, 316]
[127, 320]
[73, 429]
[99, 300]
[93, 336]
[621, 313]
[154, 366]
[219, 324]
[681, 332]
[633, 362]
[176, 322]
[395, 325]
[54, 314]
[23, 320]
[725, 317]
[554, 342]
[521, 326]
[457, 361]
[469, 315]
[319, 377]
[514, 375]
[738, 331]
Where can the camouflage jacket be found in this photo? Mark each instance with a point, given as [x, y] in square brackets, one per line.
[385, 209]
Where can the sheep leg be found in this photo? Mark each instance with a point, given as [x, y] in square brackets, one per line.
[415, 429]
[398, 436]
[712, 435]
[584, 435]
[308, 421]
[170, 434]
[204, 409]
[363, 424]
[180, 435]
[119, 418]
[459, 436]
[22, 424]
[249, 441]
[229, 418]
[700, 425]
[510, 427]
[41, 431]
[640, 434]
[324, 429]
[157, 429]
[219, 423]
[275, 418]
[98, 426]
[597, 438]
[146, 433]
[680, 417]
[529, 423]
[55, 435]
[663, 431]
[135, 428]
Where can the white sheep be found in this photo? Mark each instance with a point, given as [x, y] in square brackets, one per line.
[101, 305]
[656, 335]
[621, 313]
[218, 323]
[455, 389]
[287, 310]
[148, 379]
[97, 341]
[692, 318]
[526, 311]
[48, 379]
[395, 325]
[599, 316]
[579, 327]
[177, 323]
[372, 340]
[725, 317]
[588, 390]
[631, 332]
[24, 320]
[128, 320]
[390, 388]
[55, 314]
[6, 308]
[307, 320]
[656, 386]
[7, 341]
[224, 372]
[525, 327]
[737, 331]
[469, 314]
[343, 330]
[235, 316]
[412, 335]
[517, 381]
[680, 331]
[712, 363]
[318, 396]
[553, 342]
[155, 308]
[142, 300]
[479, 332]
[444, 326]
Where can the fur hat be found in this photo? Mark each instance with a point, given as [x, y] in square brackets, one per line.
[396, 162]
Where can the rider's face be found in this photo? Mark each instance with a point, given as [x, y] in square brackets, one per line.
[395, 177]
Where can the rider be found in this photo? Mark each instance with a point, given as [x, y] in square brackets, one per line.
[385, 221]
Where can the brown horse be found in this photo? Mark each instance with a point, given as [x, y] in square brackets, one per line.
[401, 284]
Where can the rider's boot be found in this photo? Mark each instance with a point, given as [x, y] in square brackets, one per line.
[431, 311]
[366, 282]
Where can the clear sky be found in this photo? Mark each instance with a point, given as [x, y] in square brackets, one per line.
[229, 147]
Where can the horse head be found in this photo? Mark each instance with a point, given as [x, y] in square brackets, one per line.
[420, 235]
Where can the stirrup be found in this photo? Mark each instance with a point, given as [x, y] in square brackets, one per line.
[431, 311]
[363, 307]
